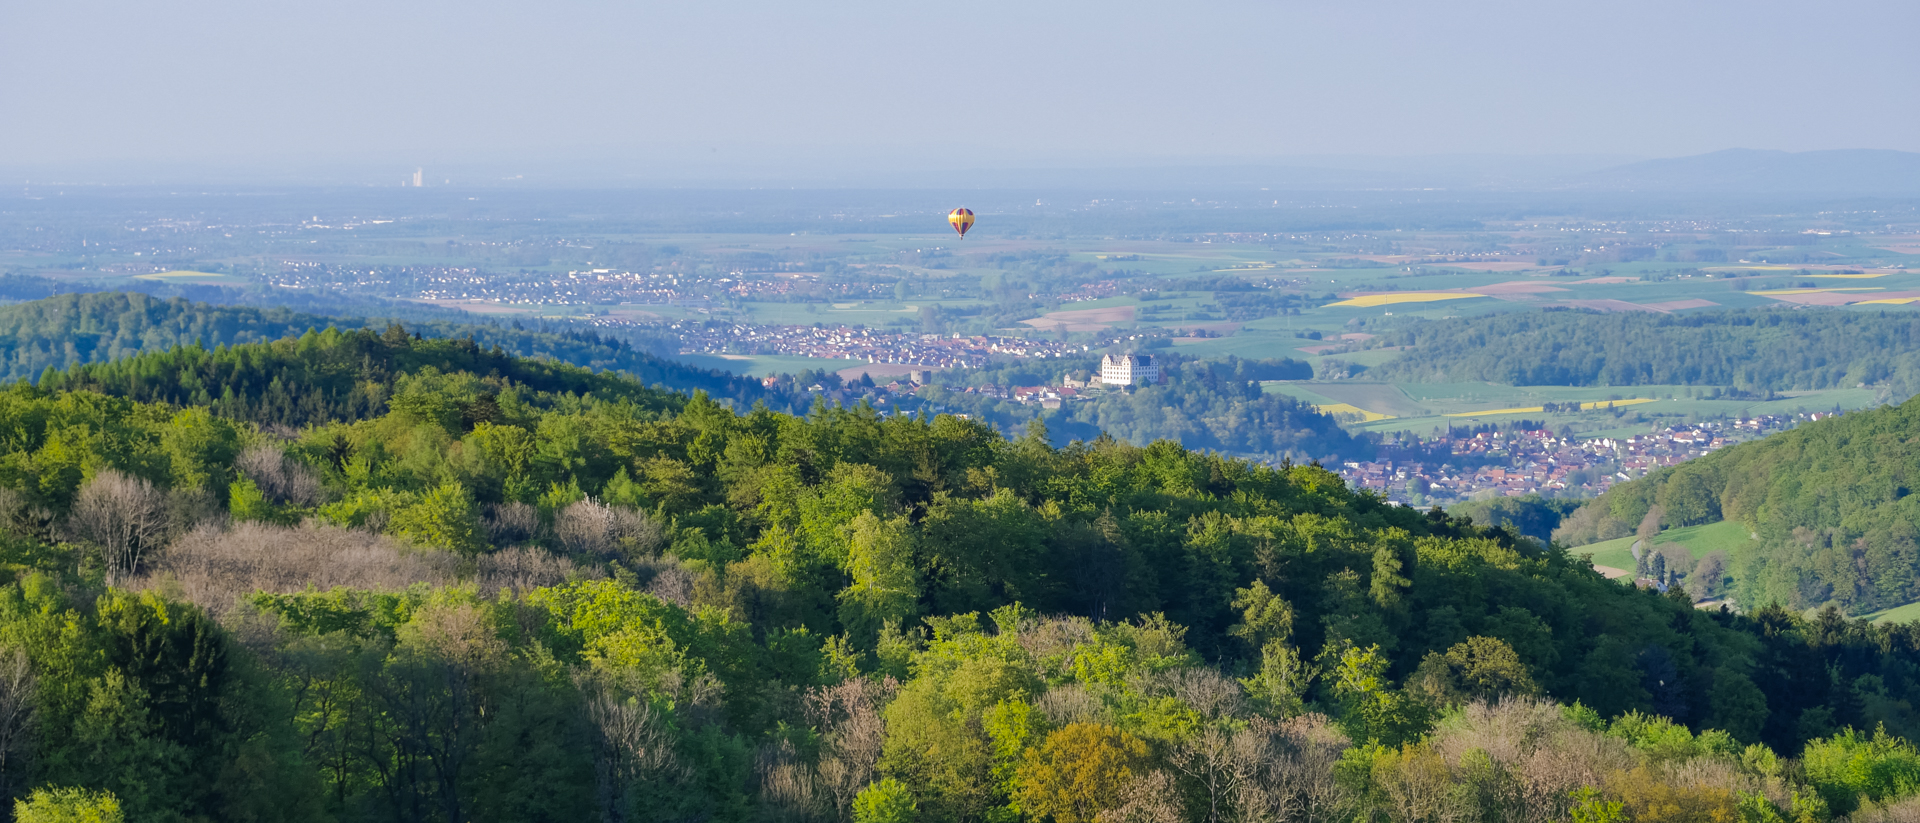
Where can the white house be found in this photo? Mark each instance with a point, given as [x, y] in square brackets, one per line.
[1129, 370]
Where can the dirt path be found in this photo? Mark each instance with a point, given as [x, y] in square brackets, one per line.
[1612, 573]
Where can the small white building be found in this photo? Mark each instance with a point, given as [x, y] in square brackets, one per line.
[1129, 370]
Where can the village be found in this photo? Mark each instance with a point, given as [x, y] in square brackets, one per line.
[1522, 462]
[579, 288]
[1116, 372]
[866, 344]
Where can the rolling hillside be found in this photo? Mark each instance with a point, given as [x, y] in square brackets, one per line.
[603, 601]
[76, 329]
[1831, 504]
[1751, 350]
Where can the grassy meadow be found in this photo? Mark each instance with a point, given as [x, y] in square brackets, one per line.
[762, 365]
[1897, 614]
[1699, 541]
[1425, 408]
[199, 278]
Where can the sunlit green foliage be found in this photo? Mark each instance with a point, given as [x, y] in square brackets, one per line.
[1829, 504]
[68, 806]
[630, 607]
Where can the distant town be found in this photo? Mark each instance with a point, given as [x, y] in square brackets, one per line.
[866, 344]
[668, 286]
[1516, 463]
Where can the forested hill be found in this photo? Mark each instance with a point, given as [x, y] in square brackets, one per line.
[1831, 504]
[123, 344]
[324, 302]
[69, 329]
[1760, 349]
[536, 595]
[72, 329]
[1209, 405]
[331, 375]
[1202, 404]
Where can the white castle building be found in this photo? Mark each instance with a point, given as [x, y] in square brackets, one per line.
[1129, 370]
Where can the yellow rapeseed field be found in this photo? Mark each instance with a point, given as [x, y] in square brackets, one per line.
[1598, 404]
[1348, 408]
[1367, 301]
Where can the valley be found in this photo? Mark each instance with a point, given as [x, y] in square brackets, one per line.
[846, 510]
[1069, 412]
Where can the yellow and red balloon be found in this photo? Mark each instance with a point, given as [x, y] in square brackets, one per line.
[960, 220]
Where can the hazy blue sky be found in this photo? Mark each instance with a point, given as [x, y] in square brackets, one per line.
[944, 85]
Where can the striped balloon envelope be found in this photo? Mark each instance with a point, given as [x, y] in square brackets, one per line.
[960, 220]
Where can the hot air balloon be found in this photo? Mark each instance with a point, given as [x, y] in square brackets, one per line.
[960, 220]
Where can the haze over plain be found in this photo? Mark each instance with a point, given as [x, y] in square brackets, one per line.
[1361, 411]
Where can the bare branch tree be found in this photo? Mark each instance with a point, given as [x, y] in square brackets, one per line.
[1212, 761]
[1899, 811]
[665, 578]
[1214, 695]
[526, 568]
[586, 527]
[17, 686]
[597, 529]
[852, 730]
[1544, 755]
[215, 567]
[1419, 786]
[631, 743]
[281, 478]
[511, 522]
[1149, 798]
[1285, 771]
[1052, 640]
[1071, 703]
[789, 792]
[125, 516]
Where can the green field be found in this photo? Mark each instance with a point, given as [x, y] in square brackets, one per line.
[761, 365]
[1428, 407]
[1381, 398]
[1300, 391]
[1616, 554]
[1417, 406]
[1593, 422]
[876, 313]
[1424, 408]
[1247, 343]
[1897, 614]
[196, 277]
[1258, 344]
[1700, 541]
